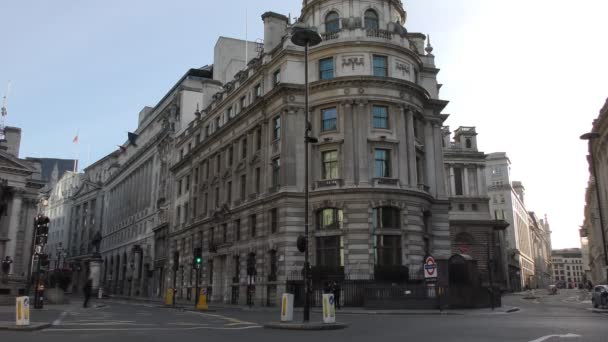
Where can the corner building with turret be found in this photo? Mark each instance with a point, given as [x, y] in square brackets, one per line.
[378, 202]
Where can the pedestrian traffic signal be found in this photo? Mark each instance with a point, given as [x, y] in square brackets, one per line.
[41, 226]
[198, 256]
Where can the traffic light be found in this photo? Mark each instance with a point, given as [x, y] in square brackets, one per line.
[44, 260]
[41, 226]
[175, 261]
[302, 243]
[198, 257]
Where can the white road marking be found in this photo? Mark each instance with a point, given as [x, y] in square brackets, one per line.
[153, 329]
[58, 320]
[544, 338]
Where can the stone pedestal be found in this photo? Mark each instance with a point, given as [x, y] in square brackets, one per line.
[95, 272]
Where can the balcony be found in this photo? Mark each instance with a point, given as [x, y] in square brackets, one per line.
[330, 35]
[378, 33]
[329, 183]
[424, 187]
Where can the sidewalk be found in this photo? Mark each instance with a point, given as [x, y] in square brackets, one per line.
[189, 305]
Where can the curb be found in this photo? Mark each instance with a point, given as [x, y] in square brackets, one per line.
[515, 309]
[305, 326]
[31, 327]
[599, 311]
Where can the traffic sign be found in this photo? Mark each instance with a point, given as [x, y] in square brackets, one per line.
[430, 268]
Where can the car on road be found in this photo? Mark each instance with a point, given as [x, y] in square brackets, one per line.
[600, 296]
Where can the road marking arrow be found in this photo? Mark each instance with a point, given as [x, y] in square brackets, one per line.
[545, 338]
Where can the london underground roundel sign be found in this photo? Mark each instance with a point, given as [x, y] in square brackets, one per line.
[430, 268]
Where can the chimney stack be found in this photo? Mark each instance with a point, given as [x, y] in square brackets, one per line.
[275, 27]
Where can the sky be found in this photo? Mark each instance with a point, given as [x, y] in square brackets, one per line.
[529, 74]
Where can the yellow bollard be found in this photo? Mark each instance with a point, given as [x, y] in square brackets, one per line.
[202, 300]
[169, 297]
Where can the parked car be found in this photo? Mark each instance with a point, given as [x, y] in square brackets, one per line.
[600, 296]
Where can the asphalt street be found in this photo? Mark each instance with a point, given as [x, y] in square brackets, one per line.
[566, 315]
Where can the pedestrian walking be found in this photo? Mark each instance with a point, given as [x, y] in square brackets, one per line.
[88, 288]
[335, 288]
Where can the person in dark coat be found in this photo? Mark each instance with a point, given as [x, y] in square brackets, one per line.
[335, 289]
[88, 288]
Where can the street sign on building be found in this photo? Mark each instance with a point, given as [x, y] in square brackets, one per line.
[430, 268]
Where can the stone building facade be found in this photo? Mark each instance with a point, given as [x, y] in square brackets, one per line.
[20, 184]
[378, 196]
[567, 266]
[59, 211]
[591, 228]
[474, 231]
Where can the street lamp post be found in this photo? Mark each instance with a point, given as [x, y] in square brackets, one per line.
[302, 36]
[590, 137]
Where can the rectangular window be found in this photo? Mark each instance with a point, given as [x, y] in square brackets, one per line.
[186, 212]
[326, 68]
[276, 77]
[224, 232]
[380, 66]
[458, 181]
[178, 215]
[258, 139]
[387, 250]
[188, 183]
[253, 225]
[276, 172]
[243, 187]
[258, 180]
[230, 156]
[181, 154]
[229, 193]
[217, 123]
[194, 207]
[197, 139]
[196, 176]
[217, 196]
[329, 119]
[244, 148]
[205, 201]
[257, 90]
[229, 113]
[207, 169]
[382, 163]
[207, 130]
[380, 117]
[179, 187]
[276, 128]
[274, 220]
[330, 251]
[243, 102]
[330, 165]
[237, 230]
[218, 161]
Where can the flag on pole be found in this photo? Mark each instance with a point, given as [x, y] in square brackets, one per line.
[75, 140]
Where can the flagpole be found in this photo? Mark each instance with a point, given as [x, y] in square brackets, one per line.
[246, 39]
[76, 141]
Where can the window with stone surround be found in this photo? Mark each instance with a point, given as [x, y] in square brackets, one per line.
[326, 68]
[330, 251]
[274, 220]
[382, 163]
[276, 172]
[332, 22]
[380, 117]
[385, 218]
[276, 127]
[371, 20]
[330, 165]
[253, 225]
[243, 187]
[387, 250]
[330, 219]
[237, 229]
[329, 119]
[380, 66]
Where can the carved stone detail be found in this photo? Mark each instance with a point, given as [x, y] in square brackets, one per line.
[352, 61]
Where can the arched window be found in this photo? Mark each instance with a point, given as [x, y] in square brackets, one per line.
[330, 218]
[385, 217]
[468, 143]
[371, 20]
[332, 22]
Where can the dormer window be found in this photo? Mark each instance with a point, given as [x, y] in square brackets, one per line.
[332, 22]
[371, 20]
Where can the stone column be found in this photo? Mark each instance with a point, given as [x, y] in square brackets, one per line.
[439, 165]
[362, 145]
[465, 175]
[348, 148]
[402, 148]
[95, 272]
[13, 227]
[452, 181]
[481, 190]
[430, 158]
[411, 149]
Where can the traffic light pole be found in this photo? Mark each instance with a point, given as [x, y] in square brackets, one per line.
[198, 272]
